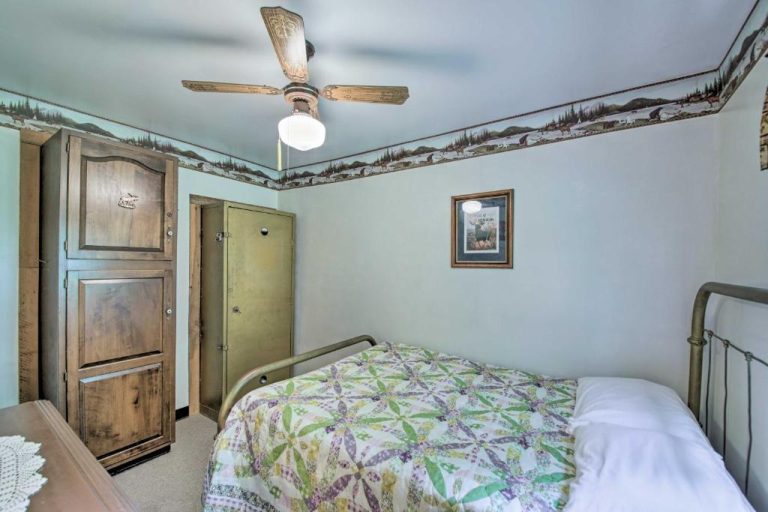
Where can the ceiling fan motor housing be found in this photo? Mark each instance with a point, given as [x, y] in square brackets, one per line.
[302, 98]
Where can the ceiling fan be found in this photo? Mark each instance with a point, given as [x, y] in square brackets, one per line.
[302, 129]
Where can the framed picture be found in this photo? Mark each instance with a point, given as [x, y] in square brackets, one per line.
[481, 229]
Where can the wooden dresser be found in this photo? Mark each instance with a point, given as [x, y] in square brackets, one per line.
[107, 293]
[76, 481]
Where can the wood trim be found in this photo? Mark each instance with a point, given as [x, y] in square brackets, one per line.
[35, 138]
[169, 354]
[115, 367]
[29, 341]
[202, 200]
[29, 208]
[195, 254]
[29, 270]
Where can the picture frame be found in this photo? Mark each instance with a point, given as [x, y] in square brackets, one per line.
[482, 229]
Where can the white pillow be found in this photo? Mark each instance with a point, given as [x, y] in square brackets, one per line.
[634, 403]
[622, 469]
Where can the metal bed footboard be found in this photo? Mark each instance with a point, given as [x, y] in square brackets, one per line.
[262, 371]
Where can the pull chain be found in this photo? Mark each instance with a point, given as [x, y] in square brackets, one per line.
[709, 375]
[748, 357]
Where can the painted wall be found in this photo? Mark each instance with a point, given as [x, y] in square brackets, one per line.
[197, 183]
[9, 266]
[741, 255]
[613, 235]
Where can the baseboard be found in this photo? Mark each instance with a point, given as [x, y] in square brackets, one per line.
[135, 462]
[182, 413]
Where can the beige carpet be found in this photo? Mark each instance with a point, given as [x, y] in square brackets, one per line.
[173, 482]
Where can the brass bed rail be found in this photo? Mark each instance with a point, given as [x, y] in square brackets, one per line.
[262, 371]
[700, 338]
[759, 295]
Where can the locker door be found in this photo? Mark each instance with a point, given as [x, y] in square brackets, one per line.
[259, 294]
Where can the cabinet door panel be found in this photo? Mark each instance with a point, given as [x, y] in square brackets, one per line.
[121, 202]
[122, 409]
[122, 207]
[117, 320]
[120, 317]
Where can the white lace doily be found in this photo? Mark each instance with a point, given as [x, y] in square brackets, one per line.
[19, 477]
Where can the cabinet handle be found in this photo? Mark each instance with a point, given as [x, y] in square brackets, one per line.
[168, 312]
[169, 233]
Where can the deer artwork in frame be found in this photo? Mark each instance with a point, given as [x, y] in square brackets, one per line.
[482, 229]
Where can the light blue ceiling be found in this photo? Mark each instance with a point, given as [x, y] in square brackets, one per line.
[465, 62]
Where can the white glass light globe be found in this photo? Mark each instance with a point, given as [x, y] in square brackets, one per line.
[301, 131]
[471, 206]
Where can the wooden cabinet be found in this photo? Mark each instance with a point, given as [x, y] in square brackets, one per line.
[108, 293]
[247, 295]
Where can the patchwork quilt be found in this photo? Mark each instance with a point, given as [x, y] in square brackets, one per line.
[397, 427]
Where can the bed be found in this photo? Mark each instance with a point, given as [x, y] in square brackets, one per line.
[398, 427]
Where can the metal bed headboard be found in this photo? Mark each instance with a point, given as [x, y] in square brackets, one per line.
[701, 337]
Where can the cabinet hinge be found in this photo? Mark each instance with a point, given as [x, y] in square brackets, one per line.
[65, 246]
[66, 147]
[64, 376]
[66, 282]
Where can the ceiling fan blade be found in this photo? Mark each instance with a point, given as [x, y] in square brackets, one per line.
[394, 95]
[286, 30]
[198, 86]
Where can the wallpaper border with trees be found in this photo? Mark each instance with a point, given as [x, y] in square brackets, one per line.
[674, 100]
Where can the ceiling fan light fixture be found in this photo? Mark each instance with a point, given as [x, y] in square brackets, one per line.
[301, 131]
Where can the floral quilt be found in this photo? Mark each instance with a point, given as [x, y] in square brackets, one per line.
[397, 427]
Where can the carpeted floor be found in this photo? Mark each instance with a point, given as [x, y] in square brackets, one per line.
[173, 482]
